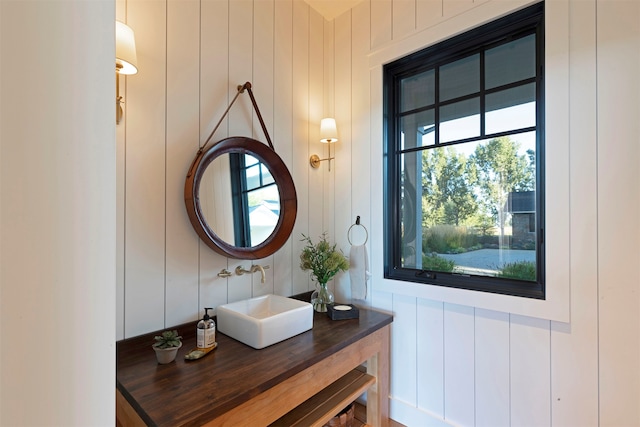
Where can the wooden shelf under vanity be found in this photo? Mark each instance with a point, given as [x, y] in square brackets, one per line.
[319, 409]
[302, 381]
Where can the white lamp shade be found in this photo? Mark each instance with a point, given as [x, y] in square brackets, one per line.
[328, 131]
[126, 60]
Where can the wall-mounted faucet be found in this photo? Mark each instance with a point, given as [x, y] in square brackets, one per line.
[255, 267]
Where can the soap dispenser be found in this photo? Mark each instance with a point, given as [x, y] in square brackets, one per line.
[206, 332]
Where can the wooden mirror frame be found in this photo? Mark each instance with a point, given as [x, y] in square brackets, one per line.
[286, 190]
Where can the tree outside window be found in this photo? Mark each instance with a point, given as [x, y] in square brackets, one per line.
[465, 160]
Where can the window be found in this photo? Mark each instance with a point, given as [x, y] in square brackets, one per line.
[464, 182]
[255, 199]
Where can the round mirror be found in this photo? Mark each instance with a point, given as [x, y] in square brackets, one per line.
[240, 198]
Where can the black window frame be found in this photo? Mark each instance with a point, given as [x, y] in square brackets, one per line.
[528, 20]
[240, 195]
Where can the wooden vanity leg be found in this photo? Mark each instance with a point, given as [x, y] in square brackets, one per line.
[126, 416]
[378, 394]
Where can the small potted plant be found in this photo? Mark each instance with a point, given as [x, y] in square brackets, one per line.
[166, 346]
[324, 261]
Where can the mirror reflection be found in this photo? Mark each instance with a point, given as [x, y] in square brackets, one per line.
[239, 199]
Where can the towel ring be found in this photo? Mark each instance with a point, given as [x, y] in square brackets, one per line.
[366, 239]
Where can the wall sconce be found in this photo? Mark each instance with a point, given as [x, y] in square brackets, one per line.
[328, 135]
[126, 60]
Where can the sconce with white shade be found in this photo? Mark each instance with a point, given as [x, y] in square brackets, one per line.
[126, 60]
[328, 135]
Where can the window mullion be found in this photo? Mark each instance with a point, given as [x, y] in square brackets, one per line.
[436, 106]
[482, 95]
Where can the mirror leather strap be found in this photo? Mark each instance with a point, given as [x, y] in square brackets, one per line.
[241, 89]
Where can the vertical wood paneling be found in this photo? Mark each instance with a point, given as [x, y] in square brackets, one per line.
[241, 20]
[329, 110]
[403, 349]
[360, 167]
[214, 98]
[316, 187]
[301, 93]
[145, 172]
[404, 17]
[285, 268]
[618, 47]
[382, 301]
[574, 352]
[454, 7]
[530, 368]
[557, 194]
[450, 361]
[459, 404]
[492, 368]
[430, 348]
[375, 166]
[183, 91]
[343, 148]
[381, 22]
[263, 89]
[428, 13]
[263, 70]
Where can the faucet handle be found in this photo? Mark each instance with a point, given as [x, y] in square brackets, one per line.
[240, 270]
[224, 273]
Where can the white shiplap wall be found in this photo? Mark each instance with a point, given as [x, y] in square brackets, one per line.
[453, 361]
[456, 363]
[191, 57]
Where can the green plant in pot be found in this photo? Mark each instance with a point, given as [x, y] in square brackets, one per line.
[324, 261]
[166, 346]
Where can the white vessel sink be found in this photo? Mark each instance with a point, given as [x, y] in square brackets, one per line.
[262, 321]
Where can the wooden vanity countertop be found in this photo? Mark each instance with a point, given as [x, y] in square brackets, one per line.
[195, 392]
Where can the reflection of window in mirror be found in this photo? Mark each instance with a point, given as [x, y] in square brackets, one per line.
[263, 208]
[255, 200]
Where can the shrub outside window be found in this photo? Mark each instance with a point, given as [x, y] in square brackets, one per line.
[464, 190]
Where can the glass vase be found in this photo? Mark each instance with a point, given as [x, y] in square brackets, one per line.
[321, 298]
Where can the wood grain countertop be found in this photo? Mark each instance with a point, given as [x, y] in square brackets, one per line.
[195, 392]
